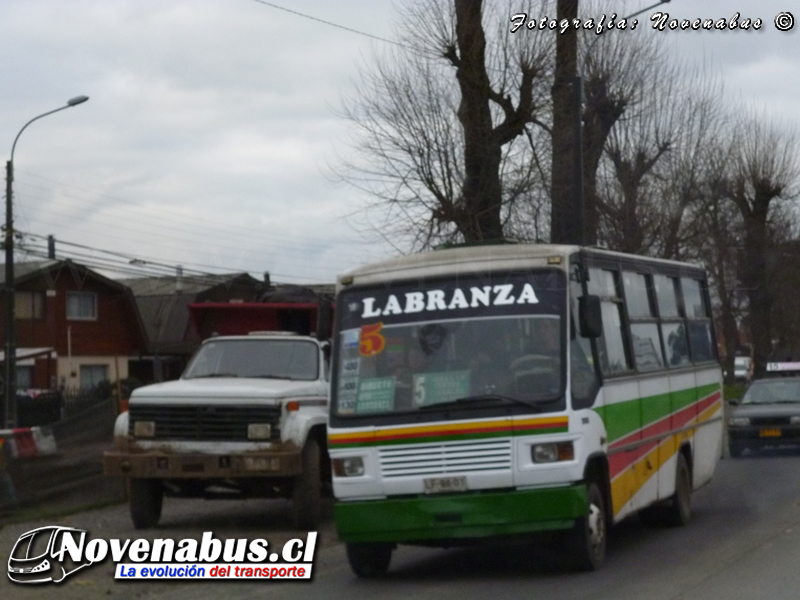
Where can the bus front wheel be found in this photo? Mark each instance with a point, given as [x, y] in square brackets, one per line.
[369, 560]
[586, 542]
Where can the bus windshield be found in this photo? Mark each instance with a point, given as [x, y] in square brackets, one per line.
[462, 342]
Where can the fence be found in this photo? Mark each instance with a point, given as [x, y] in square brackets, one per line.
[71, 477]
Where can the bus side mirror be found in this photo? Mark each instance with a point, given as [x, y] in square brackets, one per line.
[591, 317]
[324, 318]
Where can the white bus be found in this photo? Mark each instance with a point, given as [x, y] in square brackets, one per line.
[494, 391]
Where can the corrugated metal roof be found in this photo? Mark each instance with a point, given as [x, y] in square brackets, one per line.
[22, 269]
[190, 285]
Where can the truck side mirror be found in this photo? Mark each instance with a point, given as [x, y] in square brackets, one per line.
[324, 318]
[591, 317]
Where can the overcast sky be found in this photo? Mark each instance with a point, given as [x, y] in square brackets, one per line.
[212, 124]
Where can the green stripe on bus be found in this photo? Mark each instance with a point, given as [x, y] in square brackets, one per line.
[624, 418]
[460, 516]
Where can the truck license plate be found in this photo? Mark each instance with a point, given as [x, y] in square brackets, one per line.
[444, 485]
[770, 433]
[259, 463]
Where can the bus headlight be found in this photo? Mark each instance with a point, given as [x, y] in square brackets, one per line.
[352, 466]
[739, 421]
[259, 431]
[553, 452]
[144, 428]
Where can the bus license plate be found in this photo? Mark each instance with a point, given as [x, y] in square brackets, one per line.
[445, 485]
[770, 433]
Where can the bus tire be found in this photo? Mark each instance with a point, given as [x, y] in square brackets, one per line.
[307, 489]
[145, 498]
[369, 560]
[679, 510]
[586, 542]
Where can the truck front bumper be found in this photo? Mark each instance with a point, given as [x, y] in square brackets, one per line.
[164, 465]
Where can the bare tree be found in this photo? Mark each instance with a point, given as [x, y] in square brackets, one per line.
[764, 171]
[653, 158]
[453, 162]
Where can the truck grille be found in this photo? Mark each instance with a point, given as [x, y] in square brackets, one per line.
[211, 423]
[441, 459]
[770, 420]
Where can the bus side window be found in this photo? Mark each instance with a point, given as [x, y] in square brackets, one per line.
[611, 345]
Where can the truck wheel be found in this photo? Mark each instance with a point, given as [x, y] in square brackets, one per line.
[307, 490]
[145, 497]
[369, 560]
[679, 510]
[586, 542]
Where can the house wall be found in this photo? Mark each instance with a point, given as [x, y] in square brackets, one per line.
[113, 332]
[69, 369]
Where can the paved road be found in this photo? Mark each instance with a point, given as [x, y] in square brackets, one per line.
[743, 543]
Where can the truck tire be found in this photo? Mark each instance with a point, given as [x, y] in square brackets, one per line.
[307, 489]
[145, 497]
[586, 542]
[369, 560]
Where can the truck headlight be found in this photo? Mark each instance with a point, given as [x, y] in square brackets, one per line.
[259, 431]
[144, 428]
[352, 466]
[553, 452]
[739, 421]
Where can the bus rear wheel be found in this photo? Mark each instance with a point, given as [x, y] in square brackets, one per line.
[369, 560]
[679, 510]
[586, 542]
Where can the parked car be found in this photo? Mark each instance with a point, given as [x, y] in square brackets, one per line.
[741, 368]
[767, 415]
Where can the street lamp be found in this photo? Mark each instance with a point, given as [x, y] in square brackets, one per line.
[10, 383]
[580, 198]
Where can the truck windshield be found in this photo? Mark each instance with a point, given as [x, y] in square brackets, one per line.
[276, 359]
[452, 343]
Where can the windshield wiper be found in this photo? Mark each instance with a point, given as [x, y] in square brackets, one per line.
[486, 399]
[272, 376]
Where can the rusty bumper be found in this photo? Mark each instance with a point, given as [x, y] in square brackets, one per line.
[161, 465]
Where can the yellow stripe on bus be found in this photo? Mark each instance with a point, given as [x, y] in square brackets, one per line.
[628, 483]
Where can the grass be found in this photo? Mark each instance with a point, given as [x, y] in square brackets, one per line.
[733, 390]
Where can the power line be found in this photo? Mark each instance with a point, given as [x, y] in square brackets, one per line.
[129, 264]
[331, 24]
[177, 229]
[237, 230]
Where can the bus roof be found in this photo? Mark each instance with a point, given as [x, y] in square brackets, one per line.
[470, 259]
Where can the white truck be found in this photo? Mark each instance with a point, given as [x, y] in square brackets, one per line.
[246, 419]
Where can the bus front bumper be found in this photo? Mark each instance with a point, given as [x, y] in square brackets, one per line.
[460, 516]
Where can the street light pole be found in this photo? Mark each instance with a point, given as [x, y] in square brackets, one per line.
[10, 382]
[580, 197]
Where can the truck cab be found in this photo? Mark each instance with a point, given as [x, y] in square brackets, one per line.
[247, 418]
